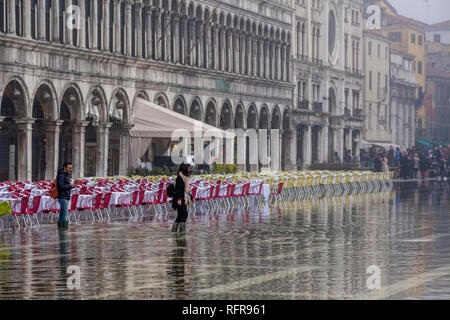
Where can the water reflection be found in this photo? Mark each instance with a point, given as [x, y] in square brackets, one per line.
[304, 249]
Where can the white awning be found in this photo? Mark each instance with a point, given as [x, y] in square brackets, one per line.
[153, 121]
[385, 145]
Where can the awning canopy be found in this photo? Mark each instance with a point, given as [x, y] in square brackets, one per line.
[433, 144]
[385, 145]
[153, 121]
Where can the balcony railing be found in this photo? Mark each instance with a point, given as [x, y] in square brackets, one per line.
[303, 104]
[318, 107]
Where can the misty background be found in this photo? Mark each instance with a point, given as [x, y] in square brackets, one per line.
[428, 11]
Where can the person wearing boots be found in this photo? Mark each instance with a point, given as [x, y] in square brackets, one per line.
[182, 199]
[64, 186]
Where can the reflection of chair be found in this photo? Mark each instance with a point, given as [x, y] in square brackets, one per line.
[277, 192]
[22, 212]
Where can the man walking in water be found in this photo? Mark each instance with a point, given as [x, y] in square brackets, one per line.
[64, 186]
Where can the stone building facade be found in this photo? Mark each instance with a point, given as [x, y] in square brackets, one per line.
[377, 54]
[68, 94]
[403, 98]
[327, 64]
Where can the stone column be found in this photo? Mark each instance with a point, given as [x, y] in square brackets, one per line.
[292, 146]
[267, 58]
[139, 31]
[167, 36]
[40, 21]
[349, 141]
[78, 148]
[148, 16]
[252, 57]
[357, 145]
[55, 19]
[82, 31]
[242, 50]
[192, 48]
[324, 136]
[105, 25]
[236, 51]
[94, 25]
[278, 58]
[158, 34]
[215, 47]
[52, 129]
[200, 39]
[260, 57]
[176, 39]
[183, 40]
[24, 148]
[68, 34]
[128, 33]
[273, 62]
[117, 24]
[276, 140]
[27, 19]
[307, 146]
[340, 143]
[124, 149]
[102, 149]
[207, 62]
[229, 50]
[11, 14]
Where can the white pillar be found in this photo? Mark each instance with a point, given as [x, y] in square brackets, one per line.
[148, 15]
[41, 20]
[124, 149]
[176, 40]
[158, 40]
[307, 146]
[78, 148]
[324, 136]
[11, 14]
[128, 33]
[52, 129]
[67, 32]
[55, 20]
[82, 31]
[94, 26]
[24, 148]
[105, 25]
[117, 24]
[102, 149]
[167, 35]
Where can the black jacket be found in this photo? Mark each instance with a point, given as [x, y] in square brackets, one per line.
[63, 185]
[179, 193]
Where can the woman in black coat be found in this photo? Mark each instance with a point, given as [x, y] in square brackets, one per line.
[182, 198]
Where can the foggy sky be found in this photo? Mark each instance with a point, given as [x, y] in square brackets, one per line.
[439, 10]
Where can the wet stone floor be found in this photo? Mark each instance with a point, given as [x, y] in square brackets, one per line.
[305, 249]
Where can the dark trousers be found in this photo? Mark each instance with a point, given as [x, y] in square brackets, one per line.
[182, 213]
[415, 172]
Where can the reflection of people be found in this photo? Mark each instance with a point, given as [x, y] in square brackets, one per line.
[384, 164]
[64, 186]
[182, 199]
[177, 271]
[64, 260]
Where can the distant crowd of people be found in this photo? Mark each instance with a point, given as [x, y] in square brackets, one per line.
[429, 162]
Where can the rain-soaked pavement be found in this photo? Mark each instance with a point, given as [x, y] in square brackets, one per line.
[308, 249]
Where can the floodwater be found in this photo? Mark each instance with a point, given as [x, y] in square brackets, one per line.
[305, 249]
